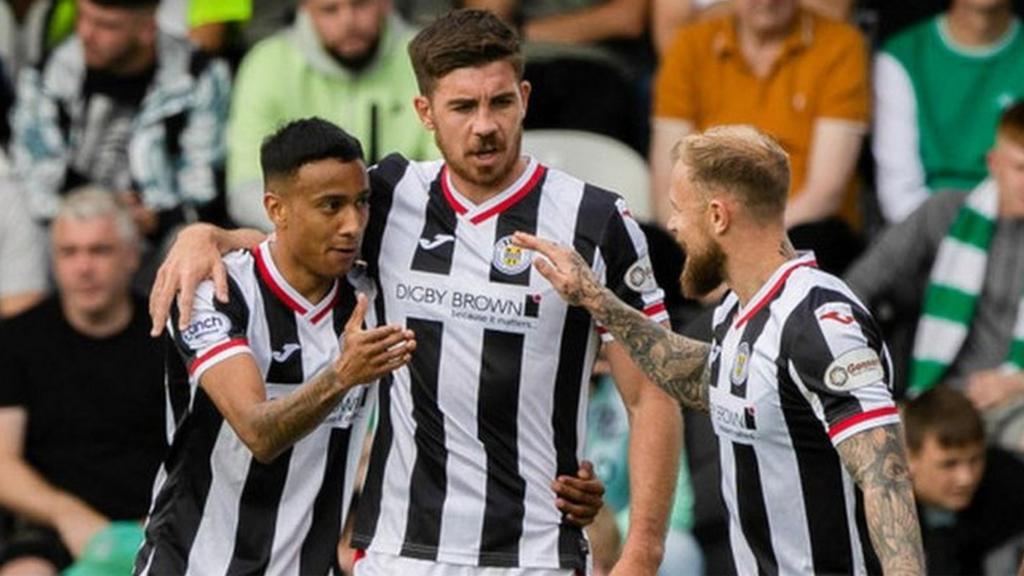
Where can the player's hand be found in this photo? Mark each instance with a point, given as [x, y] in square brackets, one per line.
[77, 523]
[565, 269]
[579, 496]
[367, 355]
[194, 257]
[991, 388]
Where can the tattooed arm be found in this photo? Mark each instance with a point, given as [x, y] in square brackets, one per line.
[679, 365]
[876, 460]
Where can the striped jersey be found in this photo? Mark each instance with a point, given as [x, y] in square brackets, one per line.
[796, 371]
[492, 406]
[216, 509]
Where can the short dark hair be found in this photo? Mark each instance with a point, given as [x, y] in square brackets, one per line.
[1011, 123]
[947, 414]
[460, 39]
[303, 141]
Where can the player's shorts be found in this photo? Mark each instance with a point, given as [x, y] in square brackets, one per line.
[377, 564]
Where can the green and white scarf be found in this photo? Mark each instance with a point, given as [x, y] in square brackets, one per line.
[953, 289]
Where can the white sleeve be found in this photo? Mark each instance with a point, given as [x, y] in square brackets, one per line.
[900, 177]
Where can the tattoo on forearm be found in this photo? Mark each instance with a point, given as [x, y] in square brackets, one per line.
[876, 460]
[288, 419]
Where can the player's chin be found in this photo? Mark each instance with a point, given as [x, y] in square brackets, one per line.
[338, 262]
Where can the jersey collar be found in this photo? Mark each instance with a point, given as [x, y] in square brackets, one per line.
[775, 283]
[284, 292]
[477, 213]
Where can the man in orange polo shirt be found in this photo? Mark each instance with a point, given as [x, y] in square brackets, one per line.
[794, 74]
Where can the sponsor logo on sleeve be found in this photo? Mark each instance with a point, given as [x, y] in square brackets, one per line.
[206, 329]
[640, 276]
[854, 369]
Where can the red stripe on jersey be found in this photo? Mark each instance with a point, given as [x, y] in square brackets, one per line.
[459, 208]
[771, 293]
[538, 173]
[838, 427]
[274, 286]
[359, 555]
[655, 309]
[198, 362]
[334, 302]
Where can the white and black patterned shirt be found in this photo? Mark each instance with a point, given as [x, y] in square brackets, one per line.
[492, 406]
[216, 509]
[795, 372]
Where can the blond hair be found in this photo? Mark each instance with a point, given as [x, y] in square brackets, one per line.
[742, 161]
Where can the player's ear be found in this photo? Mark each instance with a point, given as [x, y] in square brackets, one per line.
[277, 209]
[524, 92]
[718, 215]
[424, 111]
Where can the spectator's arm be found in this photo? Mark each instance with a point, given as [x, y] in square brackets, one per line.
[900, 176]
[203, 139]
[897, 265]
[254, 114]
[26, 493]
[835, 147]
[840, 120]
[22, 254]
[665, 132]
[655, 441]
[612, 19]
[666, 18]
[38, 148]
[675, 111]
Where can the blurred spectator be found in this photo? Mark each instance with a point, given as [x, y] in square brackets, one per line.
[969, 497]
[82, 427]
[6, 103]
[939, 89]
[887, 17]
[209, 24]
[953, 267]
[124, 106]
[30, 29]
[668, 15]
[342, 60]
[798, 76]
[590, 63]
[22, 254]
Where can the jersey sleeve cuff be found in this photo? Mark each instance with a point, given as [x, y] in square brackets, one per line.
[655, 312]
[867, 420]
[217, 354]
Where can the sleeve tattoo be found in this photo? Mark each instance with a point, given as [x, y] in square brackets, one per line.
[677, 364]
[876, 460]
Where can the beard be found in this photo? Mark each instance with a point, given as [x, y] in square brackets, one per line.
[703, 271]
[484, 176]
[357, 62]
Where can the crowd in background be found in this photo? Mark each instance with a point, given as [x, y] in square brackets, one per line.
[123, 120]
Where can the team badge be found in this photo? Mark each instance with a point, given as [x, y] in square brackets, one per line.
[509, 258]
[741, 365]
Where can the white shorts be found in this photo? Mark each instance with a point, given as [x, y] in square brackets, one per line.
[377, 564]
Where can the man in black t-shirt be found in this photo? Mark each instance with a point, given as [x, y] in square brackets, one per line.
[82, 429]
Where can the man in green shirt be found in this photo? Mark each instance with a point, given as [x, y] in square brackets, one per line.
[342, 60]
[940, 87]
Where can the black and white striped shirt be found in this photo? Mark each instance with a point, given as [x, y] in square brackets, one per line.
[216, 509]
[491, 408]
[799, 369]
